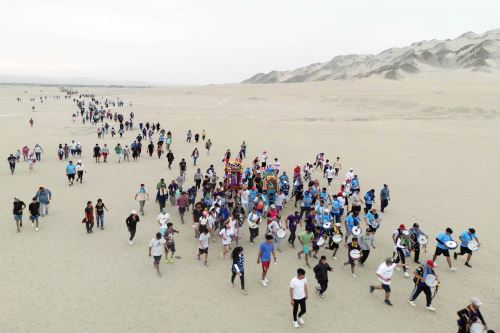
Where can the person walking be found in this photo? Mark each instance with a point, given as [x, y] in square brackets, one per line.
[384, 197]
[80, 169]
[99, 213]
[131, 223]
[12, 163]
[34, 208]
[365, 243]
[266, 249]
[237, 268]
[298, 296]
[156, 247]
[89, 217]
[17, 211]
[70, 172]
[384, 275]
[43, 196]
[141, 196]
[321, 273]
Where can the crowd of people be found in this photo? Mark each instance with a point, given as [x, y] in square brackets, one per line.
[317, 208]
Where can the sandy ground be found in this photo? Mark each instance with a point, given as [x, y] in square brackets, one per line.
[437, 151]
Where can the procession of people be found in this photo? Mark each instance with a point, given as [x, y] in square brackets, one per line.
[243, 202]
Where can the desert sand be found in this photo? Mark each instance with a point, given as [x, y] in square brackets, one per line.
[433, 138]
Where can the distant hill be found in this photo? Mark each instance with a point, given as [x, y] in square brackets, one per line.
[469, 51]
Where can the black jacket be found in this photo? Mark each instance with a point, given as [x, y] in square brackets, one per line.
[321, 271]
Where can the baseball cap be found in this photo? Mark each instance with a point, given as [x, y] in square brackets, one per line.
[133, 212]
[430, 263]
[402, 226]
[476, 301]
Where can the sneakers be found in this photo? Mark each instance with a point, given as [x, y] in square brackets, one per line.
[388, 302]
[412, 303]
[301, 321]
[244, 292]
[32, 224]
[406, 274]
[296, 324]
[468, 265]
[453, 269]
[265, 279]
[430, 308]
[263, 283]
[354, 276]
[335, 258]
[130, 242]
[455, 256]
[372, 288]
[37, 229]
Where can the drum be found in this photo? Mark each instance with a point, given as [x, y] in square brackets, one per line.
[477, 327]
[431, 280]
[452, 245]
[327, 225]
[355, 254]
[281, 233]
[473, 245]
[321, 242]
[337, 239]
[356, 231]
[422, 239]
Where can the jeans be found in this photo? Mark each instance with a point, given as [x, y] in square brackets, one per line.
[296, 303]
[44, 209]
[100, 218]
[38, 156]
[254, 232]
[242, 279]
[141, 206]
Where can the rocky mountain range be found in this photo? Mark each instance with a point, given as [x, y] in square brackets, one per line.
[470, 51]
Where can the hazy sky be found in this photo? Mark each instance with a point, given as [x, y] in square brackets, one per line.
[215, 41]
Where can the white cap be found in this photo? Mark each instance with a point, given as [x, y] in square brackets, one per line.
[405, 232]
[133, 212]
[327, 210]
[351, 169]
[476, 301]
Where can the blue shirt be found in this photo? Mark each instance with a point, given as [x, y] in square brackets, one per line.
[70, 169]
[307, 199]
[369, 197]
[323, 195]
[354, 183]
[265, 251]
[465, 238]
[336, 207]
[351, 221]
[443, 237]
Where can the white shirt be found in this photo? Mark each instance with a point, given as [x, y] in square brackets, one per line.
[210, 221]
[349, 175]
[342, 201]
[157, 246]
[244, 196]
[330, 173]
[386, 272]
[204, 240]
[279, 199]
[228, 233]
[163, 218]
[298, 287]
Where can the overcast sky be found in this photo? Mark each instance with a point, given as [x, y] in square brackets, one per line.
[215, 41]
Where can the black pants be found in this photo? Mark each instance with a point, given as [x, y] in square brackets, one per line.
[242, 279]
[89, 226]
[132, 233]
[304, 210]
[416, 249]
[254, 232]
[383, 203]
[296, 303]
[418, 289]
[367, 207]
[291, 238]
[323, 284]
[365, 254]
[400, 257]
[79, 176]
[198, 183]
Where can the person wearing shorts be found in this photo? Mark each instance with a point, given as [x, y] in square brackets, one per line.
[353, 245]
[266, 249]
[384, 275]
[17, 211]
[156, 248]
[170, 244]
[441, 248]
[305, 239]
[465, 238]
[203, 246]
[71, 172]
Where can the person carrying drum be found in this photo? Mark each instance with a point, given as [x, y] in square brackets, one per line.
[402, 250]
[468, 240]
[422, 282]
[415, 236]
[335, 239]
[469, 316]
[353, 254]
[442, 247]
